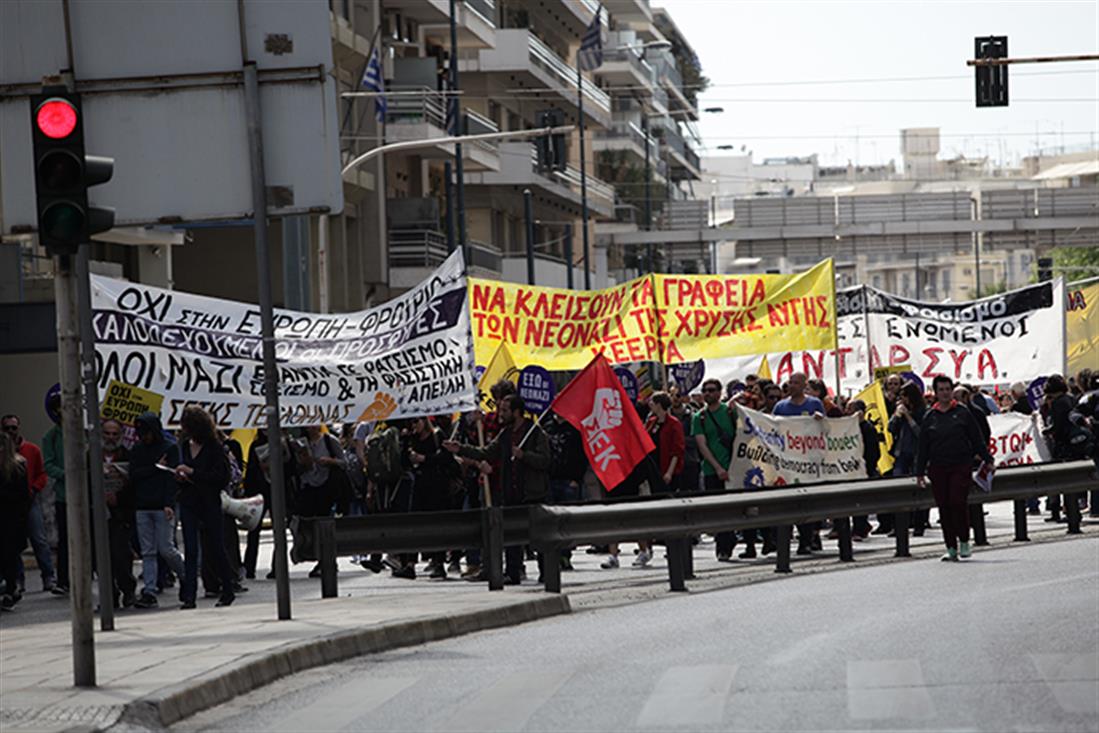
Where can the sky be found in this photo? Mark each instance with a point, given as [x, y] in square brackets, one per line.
[758, 56]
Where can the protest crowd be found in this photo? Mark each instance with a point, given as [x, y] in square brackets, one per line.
[164, 489]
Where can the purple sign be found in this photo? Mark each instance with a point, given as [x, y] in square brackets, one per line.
[54, 390]
[687, 375]
[478, 372]
[629, 382]
[1036, 392]
[536, 388]
[914, 378]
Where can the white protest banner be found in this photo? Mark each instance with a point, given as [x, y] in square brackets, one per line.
[1017, 440]
[776, 451]
[411, 356]
[1014, 336]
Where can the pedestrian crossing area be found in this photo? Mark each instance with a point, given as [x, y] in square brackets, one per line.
[864, 694]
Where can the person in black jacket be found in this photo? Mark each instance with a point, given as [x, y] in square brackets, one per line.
[15, 501]
[949, 440]
[202, 474]
[871, 455]
[152, 461]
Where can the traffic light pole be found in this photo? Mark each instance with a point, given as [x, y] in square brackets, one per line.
[76, 472]
[267, 327]
[103, 571]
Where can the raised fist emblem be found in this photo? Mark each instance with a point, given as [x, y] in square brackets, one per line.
[606, 411]
[382, 407]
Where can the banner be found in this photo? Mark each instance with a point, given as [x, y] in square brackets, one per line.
[124, 403]
[1082, 325]
[411, 356]
[776, 451]
[657, 318]
[877, 414]
[561, 330]
[715, 316]
[1017, 440]
[1014, 336]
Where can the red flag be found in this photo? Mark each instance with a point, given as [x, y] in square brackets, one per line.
[613, 435]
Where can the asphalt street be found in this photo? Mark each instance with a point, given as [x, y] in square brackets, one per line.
[1006, 641]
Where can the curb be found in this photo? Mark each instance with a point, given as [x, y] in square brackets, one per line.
[176, 702]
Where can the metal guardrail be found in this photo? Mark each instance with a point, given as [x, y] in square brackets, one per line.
[673, 521]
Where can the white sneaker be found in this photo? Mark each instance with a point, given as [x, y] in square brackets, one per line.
[610, 563]
[642, 560]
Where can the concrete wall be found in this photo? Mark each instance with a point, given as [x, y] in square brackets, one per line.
[26, 379]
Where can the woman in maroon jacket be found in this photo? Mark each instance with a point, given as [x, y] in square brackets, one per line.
[949, 439]
[667, 434]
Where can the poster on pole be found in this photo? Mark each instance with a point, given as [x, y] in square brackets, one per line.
[778, 451]
[409, 357]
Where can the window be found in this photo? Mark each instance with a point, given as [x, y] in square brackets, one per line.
[946, 282]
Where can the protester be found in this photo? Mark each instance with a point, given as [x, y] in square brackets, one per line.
[15, 498]
[690, 476]
[892, 387]
[1020, 401]
[798, 403]
[152, 461]
[523, 454]
[53, 455]
[904, 427]
[435, 476]
[35, 522]
[1069, 442]
[871, 454]
[949, 439]
[119, 498]
[568, 465]
[203, 473]
[714, 428]
[818, 389]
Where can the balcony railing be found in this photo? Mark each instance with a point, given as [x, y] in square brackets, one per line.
[547, 59]
[484, 8]
[476, 124]
[570, 178]
[630, 131]
[430, 108]
[428, 248]
[633, 58]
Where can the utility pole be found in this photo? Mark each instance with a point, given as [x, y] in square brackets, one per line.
[456, 129]
[76, 471]
[528, 216]
[267, 327]
[568, 256]
[101, 535]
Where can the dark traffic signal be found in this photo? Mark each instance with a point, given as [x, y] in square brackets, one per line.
[551, 148]
[991, 80]
[63, 173]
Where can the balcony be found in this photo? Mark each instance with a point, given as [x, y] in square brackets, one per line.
[624, 135]
[422, 116]
[528, 62]
[518, 167]
[476, 26]
[414, 253]
[625, 67]
[672, 81]
[682, 161]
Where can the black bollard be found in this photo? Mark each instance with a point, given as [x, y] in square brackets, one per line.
[977, 523]
[1072, 513]
[492, 528]
[1020, 521]
[900, 526]
[677, 548]
[326, 537]
[782, 539]
[551, 569]
[843, 528]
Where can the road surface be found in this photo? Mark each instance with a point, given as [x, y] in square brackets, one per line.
[1007, 641]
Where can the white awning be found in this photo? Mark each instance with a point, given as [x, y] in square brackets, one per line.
[1070, 170]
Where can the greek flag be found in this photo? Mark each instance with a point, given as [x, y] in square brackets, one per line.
[373, 82]
[590, 56]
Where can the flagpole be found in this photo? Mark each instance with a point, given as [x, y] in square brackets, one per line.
[535, 424]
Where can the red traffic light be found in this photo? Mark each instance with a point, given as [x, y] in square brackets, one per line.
[56, 118]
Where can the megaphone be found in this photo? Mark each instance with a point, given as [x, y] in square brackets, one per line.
[247, 512]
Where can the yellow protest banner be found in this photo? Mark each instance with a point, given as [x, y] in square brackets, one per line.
[124, 402]
[714, 316]
[877, 414]
[1082, 325]
[561, 329]
[502, 366]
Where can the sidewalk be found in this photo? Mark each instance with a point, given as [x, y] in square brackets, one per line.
[163, 665]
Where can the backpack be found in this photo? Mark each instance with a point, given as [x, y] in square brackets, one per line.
[383, 457]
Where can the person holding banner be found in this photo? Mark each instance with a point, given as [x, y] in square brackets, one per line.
[949, 440]
[796, 404]
[152, 460]
[714, 427]
[524, 456]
